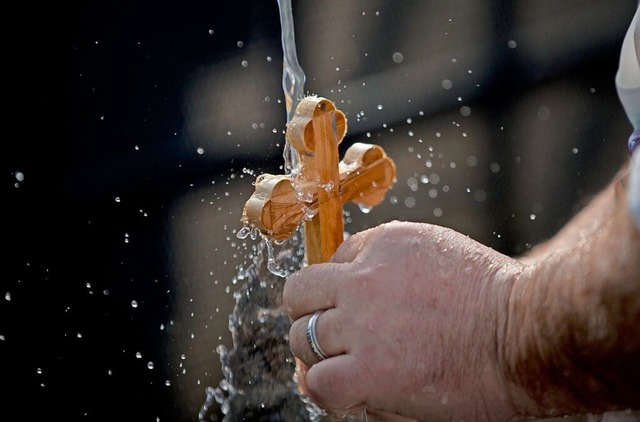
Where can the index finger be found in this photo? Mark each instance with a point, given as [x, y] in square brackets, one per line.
[351, 247]
[311, 289]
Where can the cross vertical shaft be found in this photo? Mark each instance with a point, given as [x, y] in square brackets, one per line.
[325, 231]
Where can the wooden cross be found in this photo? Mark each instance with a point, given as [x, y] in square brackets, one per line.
[319, 185]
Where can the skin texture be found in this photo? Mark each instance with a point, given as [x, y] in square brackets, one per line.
[573, 339]
[424, 322]
[437, 355]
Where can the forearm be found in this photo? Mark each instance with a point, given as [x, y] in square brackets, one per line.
[572, 339]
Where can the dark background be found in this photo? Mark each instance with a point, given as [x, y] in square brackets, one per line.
[134, 132]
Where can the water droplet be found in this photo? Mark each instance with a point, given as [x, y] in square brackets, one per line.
[308, 213]
[254, 233]
[366, 209]
[272, 266]
[244, 232]
[410, 202]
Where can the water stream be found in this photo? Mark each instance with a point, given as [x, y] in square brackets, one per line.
[293, 77]
[259, 371]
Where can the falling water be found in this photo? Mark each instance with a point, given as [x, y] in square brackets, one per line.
[293, 76]
[259, 370]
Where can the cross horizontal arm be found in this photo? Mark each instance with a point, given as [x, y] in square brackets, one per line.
[276, 210]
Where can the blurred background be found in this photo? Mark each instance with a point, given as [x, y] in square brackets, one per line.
[136, 128]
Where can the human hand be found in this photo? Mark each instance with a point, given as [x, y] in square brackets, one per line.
[412, 321]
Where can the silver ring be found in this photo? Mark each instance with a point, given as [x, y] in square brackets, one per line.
[312, 337]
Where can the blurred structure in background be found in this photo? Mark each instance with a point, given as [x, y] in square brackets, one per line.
[141, 130]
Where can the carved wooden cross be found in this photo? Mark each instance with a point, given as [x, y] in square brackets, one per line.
[319, 185]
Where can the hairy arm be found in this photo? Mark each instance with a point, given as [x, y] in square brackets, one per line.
[572, 337]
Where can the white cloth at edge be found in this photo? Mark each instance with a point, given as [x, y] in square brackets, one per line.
[628, 86]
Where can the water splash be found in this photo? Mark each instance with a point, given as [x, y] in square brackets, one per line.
[244, 232]
[248, 231]
[272, 264]
[259, 370]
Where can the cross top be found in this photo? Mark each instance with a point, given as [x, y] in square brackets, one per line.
[320, 184]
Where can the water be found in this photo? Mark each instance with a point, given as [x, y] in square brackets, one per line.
[293, 76]
[259, 371]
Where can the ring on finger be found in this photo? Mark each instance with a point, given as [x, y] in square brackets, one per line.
[312, 337]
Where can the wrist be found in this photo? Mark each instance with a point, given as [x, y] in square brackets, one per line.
[519, 361]
[570, 342]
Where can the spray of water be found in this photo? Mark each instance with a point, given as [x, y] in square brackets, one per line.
[259, 370]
